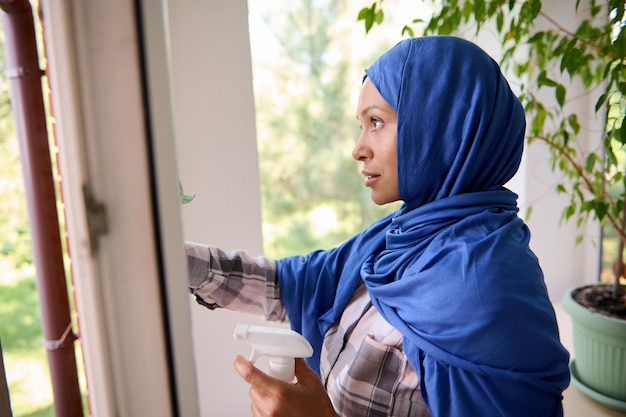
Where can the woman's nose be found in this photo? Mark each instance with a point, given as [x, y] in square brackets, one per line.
[359, 152]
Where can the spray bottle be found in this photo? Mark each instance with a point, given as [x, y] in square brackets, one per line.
[280, 345]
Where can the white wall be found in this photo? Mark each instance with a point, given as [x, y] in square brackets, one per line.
[216, 148]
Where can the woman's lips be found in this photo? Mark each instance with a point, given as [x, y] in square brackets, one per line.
[370, 178]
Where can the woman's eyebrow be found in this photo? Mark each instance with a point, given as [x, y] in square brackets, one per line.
[367, 110]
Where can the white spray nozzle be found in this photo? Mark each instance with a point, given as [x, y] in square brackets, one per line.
[280, 345]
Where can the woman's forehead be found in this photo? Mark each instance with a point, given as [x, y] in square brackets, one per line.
[370, 97]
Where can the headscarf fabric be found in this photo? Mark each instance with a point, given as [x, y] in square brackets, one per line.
[451, 269]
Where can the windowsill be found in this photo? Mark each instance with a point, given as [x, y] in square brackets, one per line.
[575, 403]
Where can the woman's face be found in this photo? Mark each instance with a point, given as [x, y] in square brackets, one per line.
[376, 146]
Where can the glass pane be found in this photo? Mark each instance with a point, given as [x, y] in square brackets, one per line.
[308, 59]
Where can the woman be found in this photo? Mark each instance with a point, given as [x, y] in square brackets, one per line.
[438, 309]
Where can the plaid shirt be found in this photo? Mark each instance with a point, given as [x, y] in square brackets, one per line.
[362, 365]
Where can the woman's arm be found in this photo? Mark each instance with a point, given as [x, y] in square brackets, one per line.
[234, 280]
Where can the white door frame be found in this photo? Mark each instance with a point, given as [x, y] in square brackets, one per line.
[113, 126]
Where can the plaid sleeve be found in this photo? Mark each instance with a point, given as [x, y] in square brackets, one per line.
[234, 280]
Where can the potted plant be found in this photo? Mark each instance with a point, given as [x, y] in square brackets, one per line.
[593, 179]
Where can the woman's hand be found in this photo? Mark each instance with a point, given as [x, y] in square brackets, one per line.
[275, 398]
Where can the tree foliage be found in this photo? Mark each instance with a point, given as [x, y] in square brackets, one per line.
[552, 53]
[14, 232]
[312, 192]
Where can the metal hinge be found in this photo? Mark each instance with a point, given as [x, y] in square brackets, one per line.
[96, 218]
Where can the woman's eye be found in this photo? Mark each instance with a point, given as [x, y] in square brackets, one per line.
[376, 123]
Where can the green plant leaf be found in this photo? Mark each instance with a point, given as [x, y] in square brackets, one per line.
[601, 209]
[363, 13]
[560, 94]
[543, 80]
[369, 16]
[379, 16]
[184, 198]
[600, 102]
[573, 122]
[590, 162]
[535, 9]
[620, 43]
[500, 21]
[408, 31]
[529, 212]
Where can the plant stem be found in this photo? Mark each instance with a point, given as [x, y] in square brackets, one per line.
[618, 224]
[571, 35]
[615, 223]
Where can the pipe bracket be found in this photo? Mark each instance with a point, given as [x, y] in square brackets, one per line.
[17, 72]
[51, 345]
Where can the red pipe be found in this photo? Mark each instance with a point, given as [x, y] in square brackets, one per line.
[29, 110]
[5, 401]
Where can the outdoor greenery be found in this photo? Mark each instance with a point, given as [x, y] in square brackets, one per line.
[558, 53]
[312, 192]
[24, 355]
[21, 332]
[20, 319]
[14, 234]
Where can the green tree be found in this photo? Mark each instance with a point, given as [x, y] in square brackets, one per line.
[312, 192]
[14, 232]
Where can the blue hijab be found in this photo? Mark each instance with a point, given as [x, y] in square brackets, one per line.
[451, 269]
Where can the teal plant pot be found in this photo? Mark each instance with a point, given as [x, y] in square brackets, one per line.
[599, 364]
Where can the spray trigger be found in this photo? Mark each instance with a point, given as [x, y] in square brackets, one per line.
[254, 355]
[280, 345]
